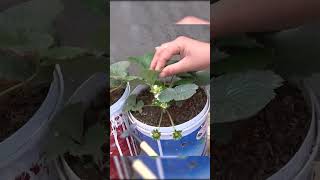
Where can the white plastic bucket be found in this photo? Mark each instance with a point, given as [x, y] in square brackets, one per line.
[300, 165]
[118, 124]
[22, 151]
[194, 133]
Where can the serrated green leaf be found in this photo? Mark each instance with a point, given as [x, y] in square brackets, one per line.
[185, 91]
[132, 104]
[178, 93]
[119, 69]
[55, 55]
[143, 61]
[202, 78]
[149, 76]
[184, 81]
[240, 95]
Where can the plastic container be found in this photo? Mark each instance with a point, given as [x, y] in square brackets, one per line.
[192, 167]
[300, 166]
[20, 154]
[194, 134]
[118, 124]
[85, 94]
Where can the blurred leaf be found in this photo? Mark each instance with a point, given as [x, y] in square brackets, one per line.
[143, 61]
[22, 42]
[31, 16]
[297, 51]
[240, 95]
[247, 59]
[56, 55]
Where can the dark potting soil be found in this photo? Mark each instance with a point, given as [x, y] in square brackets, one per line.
[17, 107]
[263, 144]
[85, 166]
[116, 95]
[180, 112]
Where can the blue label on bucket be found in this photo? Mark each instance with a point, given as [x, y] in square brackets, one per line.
[179, 168]
[192, 144]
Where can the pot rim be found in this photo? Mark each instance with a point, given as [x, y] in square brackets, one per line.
[312, 135]
[118, 105]
[166, 132]
[22, 139]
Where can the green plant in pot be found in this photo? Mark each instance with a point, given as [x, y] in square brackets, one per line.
[163, 94]
[78, 133]
[119, 79]
[259, 105]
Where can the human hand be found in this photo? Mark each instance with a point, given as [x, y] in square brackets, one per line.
[195, 56]
[191, 20]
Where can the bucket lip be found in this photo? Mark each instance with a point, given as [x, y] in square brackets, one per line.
[69, 170]
[16, 144]
[118, 105]
[166, 132]
[313, 124]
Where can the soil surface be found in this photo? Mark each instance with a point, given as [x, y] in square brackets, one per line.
[17, 107]
[180, 112]
[116, 95]
[84, 166]
[263, 144]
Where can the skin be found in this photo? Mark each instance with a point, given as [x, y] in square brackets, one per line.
[195, 56]
[191, 20]
[239, 16]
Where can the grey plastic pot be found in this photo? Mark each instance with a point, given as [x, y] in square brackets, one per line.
[85, 94]
[300, 165]
[22, 150]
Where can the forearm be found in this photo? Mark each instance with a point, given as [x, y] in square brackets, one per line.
[238, 16]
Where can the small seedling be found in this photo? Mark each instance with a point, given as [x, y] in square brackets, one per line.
[165, 94]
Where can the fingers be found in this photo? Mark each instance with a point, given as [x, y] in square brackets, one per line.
[191, 20]
[176, 68]
[163, 54]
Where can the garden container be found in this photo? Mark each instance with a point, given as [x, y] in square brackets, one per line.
[192, 167]
[20, 154]
[118, 124]
[300, 166]
[194, 133]
[86, 93]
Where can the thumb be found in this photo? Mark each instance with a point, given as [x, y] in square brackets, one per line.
[180, 67]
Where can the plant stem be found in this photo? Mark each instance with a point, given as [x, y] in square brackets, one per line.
[150, 105]
[160, 118]
[116, 88]
[170, 118]
[171, 81]
[18, 85]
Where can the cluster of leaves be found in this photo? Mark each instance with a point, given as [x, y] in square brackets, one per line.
[29, 51]
[247, 70]
[179, 88]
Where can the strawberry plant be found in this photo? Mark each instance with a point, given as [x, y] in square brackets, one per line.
[247, 70]
[166, 92]
[29, 48]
